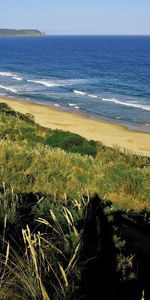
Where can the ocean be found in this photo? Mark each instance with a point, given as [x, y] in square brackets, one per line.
[103, 77]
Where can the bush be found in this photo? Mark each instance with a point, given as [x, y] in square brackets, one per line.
[71, 142]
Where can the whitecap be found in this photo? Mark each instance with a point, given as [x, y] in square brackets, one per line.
[56, 104]
[8, 89]
[7, 74]
[92, 96]
[85, 94]
[79, 92]
[129, 104]
[71, 104]
[76, 107]
[57, 82]
[17, 78]
[47, 83]
[12, 75]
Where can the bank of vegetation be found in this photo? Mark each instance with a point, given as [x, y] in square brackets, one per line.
[47, 178]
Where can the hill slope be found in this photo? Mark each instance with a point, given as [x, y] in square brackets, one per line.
[80, 167]
[50, 226]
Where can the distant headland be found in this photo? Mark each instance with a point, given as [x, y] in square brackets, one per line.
[20, 32]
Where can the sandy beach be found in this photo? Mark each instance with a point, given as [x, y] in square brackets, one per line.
[108, 133]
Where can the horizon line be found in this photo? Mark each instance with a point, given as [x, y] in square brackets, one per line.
[103, 34]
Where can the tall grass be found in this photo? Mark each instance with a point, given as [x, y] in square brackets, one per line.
[47, 269]
[46, 179]
[56, 172]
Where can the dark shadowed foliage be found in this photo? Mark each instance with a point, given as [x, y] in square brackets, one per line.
[114, 269]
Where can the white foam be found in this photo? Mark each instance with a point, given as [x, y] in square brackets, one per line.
[12, 75]
[92, 96]
[8, 89]
[17, 78]
[79, 92]
[84, 94]
[72, 81]
[47, 83]
[7, 74]
[129, 104]
[56, 104]
[71, 104]
[57, 82]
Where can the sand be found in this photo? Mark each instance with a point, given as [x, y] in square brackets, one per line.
[109, 134]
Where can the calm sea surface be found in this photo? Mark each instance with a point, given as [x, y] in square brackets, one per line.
[103, 77]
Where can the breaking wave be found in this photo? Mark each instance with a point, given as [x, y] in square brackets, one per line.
[129, 104]
[17, 78]
[72, 104]
[92, 96]
[7, 74]
[84, 94]
[58, 82]
[47, 83]
[12, 75]
[79, 93]
[8, 89]
[57, 104]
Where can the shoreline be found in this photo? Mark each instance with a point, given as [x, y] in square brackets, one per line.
[109, 134]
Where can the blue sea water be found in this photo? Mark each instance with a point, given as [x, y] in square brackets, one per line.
[105, 77]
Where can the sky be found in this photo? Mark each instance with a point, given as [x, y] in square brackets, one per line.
[77, 17]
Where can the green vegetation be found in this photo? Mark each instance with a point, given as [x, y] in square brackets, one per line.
[46, 179]
[41, 160]
[22, 129]
[21, 32]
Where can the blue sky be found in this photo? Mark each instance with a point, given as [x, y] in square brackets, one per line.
[77, 16]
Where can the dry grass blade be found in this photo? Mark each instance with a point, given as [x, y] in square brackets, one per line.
[68, 215]
[70, 220]
[7, 254]
[73, 259]
[64, 275]
[43, 221]
[31, 244]
[5, 264]
[4, 231]
[43, 291]
[59, 228]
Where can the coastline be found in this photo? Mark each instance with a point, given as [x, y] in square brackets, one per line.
[108, 133]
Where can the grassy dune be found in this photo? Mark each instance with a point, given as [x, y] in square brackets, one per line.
[36, 159]
[47, 177]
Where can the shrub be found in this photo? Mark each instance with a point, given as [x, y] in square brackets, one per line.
[71, 142]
